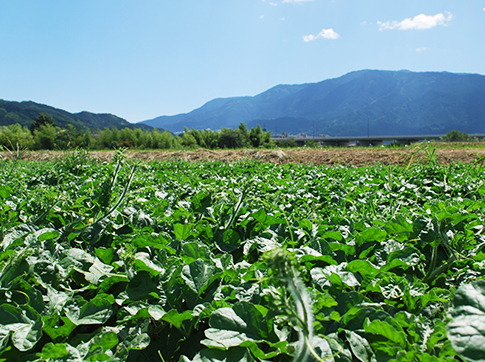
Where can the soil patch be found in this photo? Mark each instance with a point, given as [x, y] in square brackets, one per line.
[326, 156]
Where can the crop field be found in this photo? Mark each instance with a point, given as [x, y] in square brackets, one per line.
[124, 260]
[443, 153]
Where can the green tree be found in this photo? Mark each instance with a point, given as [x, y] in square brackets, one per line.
[168, 141]
[312, 143]
[188, 140]
[116, 134]
[110, 138]
[84, 139]
[105, 138]
[16, 137]
[260, 138]
[163, 140]
[42, 119]
[267, 140]
[63, 139]
[145, 139]
[210, 138]
[127, 138]
[287, 143]
[45, 137]
[67, 138]
[244, 132]
[456, 136]
[256, 136]
[197, 136]
[230, 138]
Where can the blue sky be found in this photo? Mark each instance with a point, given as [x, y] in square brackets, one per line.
[142, 59]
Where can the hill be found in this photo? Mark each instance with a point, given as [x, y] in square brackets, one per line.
[24, 113]
[364, 102]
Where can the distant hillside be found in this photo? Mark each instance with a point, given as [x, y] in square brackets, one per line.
[25, 112]
[367, 101]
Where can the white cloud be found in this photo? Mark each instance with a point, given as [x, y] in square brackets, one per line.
[325, 33]
[295, 1]
[273, 4]
[419, 22]
[423, 49]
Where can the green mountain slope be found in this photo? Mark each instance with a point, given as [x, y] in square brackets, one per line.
[24, 113]
[368, 101]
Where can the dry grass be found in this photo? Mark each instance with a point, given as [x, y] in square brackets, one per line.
[327, 156]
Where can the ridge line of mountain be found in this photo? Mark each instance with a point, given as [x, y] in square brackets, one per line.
[23, 113]
[355, 104]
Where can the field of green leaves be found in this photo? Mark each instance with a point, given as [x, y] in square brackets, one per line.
[176, 261]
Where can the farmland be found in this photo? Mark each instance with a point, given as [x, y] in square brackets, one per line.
[118, 259]
[444, 153]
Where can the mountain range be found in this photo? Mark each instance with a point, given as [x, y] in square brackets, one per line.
[24, 113]
[360, 103]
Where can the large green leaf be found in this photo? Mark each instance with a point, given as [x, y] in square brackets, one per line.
[5, 191]
[23, 322]
[355, 317]
[198, 273]
[467, 329]
[105, 254]
[264, 219]
[133, 310]
[95, 348]
[193, 251]
[372, 234]
[404, 258]
[334, 275]
[144, 262]
[97, 272]
[360, 347]
[182, 231]
[237, 354]
[400, 227]
[96, 311]
[364, 268]
[58, 328]
[56, 352]
[131, 337]
[61, 352]
[78, 258]
[231, 327]
[143, 287]
[230, 242]
[173, 317]
[388, 329]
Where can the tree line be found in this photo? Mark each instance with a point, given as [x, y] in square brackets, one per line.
[45, 135]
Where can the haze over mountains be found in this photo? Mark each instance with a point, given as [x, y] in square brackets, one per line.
[364, 102]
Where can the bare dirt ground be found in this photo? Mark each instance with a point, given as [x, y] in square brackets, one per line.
[356, 156]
